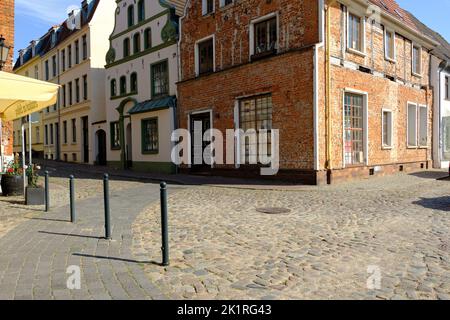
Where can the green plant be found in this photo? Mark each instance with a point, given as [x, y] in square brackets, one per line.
[32, 175]
[14, 168]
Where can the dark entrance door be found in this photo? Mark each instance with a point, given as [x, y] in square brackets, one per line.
[101, 148]
[85, 131]
[203, 121]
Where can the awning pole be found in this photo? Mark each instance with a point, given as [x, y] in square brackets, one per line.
[23, 159]
[30, 138]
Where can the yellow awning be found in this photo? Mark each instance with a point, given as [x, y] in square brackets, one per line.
[21, 96]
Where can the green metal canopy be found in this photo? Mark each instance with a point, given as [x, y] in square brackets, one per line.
[153, 105]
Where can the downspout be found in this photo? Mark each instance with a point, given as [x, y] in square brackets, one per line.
[328, 163]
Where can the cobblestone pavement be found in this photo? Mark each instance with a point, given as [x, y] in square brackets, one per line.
[35, 255]
[13, 211]
[221, 247]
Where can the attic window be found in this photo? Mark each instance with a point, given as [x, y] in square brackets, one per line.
[398, 13]
[384, 5]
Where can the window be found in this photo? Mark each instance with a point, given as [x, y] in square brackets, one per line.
[150, 141]
[74, 157]
[77, 52]
[47, 74]
[206, 56]
[126, 47]
[255, 114]
[447, 87]
[115, 135]
[265, 36]
[65, 132]
[412, 125]
[389, 44]
[38, 134]
[224, 3]
[416, 60]
[423, 126]
[141, 10]
[147, 38]
[123, 85]
[136, 43]
[69, 50]
[355, 32]
[46, 134]
[160, 79]
[63, 60]
[74, 130]
[36, 72]
[113, 88]
[387, 129]
[85, 87]
[77, 90]
[134, 82]
[64, 95]
[207, 6]
[70, 93]
[130, 16]
[353, 129]
[51, 134]
[85, 47]
[54, 66]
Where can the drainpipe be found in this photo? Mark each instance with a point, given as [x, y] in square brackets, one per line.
[328, 163]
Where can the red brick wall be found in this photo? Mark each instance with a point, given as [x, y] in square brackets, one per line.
[297, 29]
[7, 30]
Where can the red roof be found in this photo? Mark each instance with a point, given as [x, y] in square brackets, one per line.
[392, 8]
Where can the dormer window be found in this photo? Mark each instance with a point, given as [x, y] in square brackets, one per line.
[207, 7]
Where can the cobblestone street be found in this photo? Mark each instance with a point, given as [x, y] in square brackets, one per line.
[223, 248]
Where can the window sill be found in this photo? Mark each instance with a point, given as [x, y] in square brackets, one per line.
[357, 52]
[390, 59]
[208, 14]
[116, 149]
[418, 75]
[150, 152]
[412, 147]
[386, 148]
[263, 55]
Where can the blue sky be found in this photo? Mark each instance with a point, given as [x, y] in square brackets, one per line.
[33, 20]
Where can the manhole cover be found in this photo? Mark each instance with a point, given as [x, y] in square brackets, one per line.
[273, 210]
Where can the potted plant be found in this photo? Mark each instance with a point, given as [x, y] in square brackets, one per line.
[12, 179]
[34, 194]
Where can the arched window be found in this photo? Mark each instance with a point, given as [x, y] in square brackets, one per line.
[147, 38]
[126, 47]
[130, 15]
[123, 85]
[134, 82]
[141, 10]
[136, 43]
[113, 88]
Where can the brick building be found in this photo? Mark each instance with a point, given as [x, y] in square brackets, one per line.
[7, 30]
[345, 82]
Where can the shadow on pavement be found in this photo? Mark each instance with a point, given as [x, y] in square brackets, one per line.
[435, 175]
[70, 235]
[115, 259]
[439, 203]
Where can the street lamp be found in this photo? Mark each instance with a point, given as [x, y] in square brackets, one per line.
[4, 52]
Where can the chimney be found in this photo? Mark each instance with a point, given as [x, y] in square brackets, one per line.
[33, 47]
[21, 54]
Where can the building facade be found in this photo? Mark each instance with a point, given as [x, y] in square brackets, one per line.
[69, 58]
[141, 77]
[7, 31]
[346, 83]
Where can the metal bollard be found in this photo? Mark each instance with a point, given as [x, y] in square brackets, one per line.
[73, 217]
[107, 209]
[164, 225]
[47, 193]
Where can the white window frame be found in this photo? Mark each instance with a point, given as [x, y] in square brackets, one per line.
[384, 145]
[222, 3]
[419, 126]
[252, 31]
[363, 34]
[204, 6]
[365, 124]
[197, 53]
[417, 74]
[386, 44]
[410, 146]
